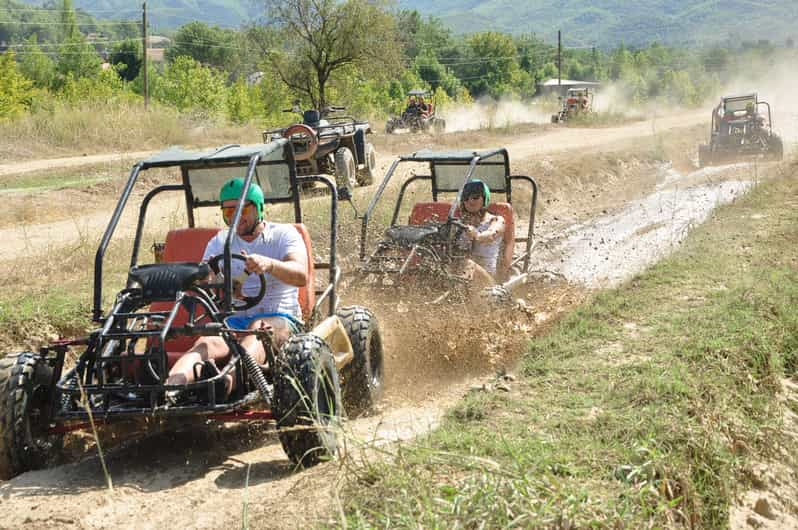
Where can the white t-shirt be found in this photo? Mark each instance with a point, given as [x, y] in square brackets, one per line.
[275, 241]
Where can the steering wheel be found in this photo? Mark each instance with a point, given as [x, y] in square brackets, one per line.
[244, 302]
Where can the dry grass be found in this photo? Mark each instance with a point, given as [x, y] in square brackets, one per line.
[74, 131]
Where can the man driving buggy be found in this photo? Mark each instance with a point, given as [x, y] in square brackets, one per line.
[273, 249]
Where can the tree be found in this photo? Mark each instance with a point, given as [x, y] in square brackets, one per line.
[14, 88]
[127, 54]
[210, 46]
[322, 37]
[76, 57]
[36, 65]
[492, 66]
[188, 86]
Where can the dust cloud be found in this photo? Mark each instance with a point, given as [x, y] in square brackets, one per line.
[776, 85]
[487, 114]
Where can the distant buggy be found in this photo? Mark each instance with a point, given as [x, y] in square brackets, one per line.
[742, 129]
[336, 360]
[420, 115]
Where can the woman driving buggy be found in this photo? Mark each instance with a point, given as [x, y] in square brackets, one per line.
[272, 249]
[482, 236]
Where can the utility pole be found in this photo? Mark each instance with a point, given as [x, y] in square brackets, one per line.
[144, 47]
[559, 58]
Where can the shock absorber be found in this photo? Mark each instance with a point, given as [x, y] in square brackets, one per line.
[256, 374]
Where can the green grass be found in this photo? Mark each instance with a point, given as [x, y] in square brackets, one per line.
[642, 408]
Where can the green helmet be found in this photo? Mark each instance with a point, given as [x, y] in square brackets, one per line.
[231, 191]
[476, 186]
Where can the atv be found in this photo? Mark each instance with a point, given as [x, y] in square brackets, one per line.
[419, 115]
[742, 128]
[576, 101]
[334, 364]
[427, 244]
[326, 143]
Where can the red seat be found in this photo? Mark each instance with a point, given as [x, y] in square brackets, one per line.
[188, 244]
[424, 212]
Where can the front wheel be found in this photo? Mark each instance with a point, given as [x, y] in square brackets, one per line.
[307, 400]
[25, 401]
[363, 377]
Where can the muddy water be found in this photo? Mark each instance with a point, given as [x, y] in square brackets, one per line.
[611, 248]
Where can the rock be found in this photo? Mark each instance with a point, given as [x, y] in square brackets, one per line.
[763, 508]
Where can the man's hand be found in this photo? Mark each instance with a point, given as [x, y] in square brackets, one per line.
[258, 264]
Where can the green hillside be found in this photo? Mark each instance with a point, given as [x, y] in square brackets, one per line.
[598, 23]
[609, 22]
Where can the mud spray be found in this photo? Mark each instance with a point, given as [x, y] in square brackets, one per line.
[430, 345]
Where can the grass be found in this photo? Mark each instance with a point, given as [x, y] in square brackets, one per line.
[61, 130]
[643, 408]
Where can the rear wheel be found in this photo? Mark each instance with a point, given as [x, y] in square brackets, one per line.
[366, 175]
[363, 377]
[390, 126]
[24, 405]
[345, 169]
[307, 400]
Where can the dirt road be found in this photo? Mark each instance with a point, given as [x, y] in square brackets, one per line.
[195, 478]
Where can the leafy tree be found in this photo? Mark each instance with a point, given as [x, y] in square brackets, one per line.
[418, 35]
[127, 54]
[211, 46]
[493, 65]
[14, 88]
[36, 65]
[323, 37]
[76, 57]
[188, 86]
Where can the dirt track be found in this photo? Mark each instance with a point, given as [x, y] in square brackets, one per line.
[195, 478]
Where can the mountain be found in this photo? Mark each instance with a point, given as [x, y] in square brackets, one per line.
[601, 23]
[609, 22]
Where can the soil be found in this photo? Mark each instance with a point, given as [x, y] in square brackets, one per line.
[605, 212]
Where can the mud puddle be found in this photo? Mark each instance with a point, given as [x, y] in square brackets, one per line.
[608, 249]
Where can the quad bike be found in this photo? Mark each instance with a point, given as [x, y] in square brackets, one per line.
[418, 116]
[577, 101]
[741, 130]
[334, 364]
[328, 144]
[428, 245]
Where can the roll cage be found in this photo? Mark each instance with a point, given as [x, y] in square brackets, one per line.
[449, 171]
[202, 174]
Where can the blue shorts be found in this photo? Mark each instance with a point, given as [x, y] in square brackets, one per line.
[243, 322]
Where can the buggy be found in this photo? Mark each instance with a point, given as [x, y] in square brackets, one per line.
[576, 101]
[330, 144]
[335, 361]
[419, 115]
[427, 243]
[742, 128]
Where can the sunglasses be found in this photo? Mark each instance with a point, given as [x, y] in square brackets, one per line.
[228, 211]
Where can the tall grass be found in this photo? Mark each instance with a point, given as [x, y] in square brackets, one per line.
[74, 130]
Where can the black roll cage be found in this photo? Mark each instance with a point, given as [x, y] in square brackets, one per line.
[215, 160]
[471, 161]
